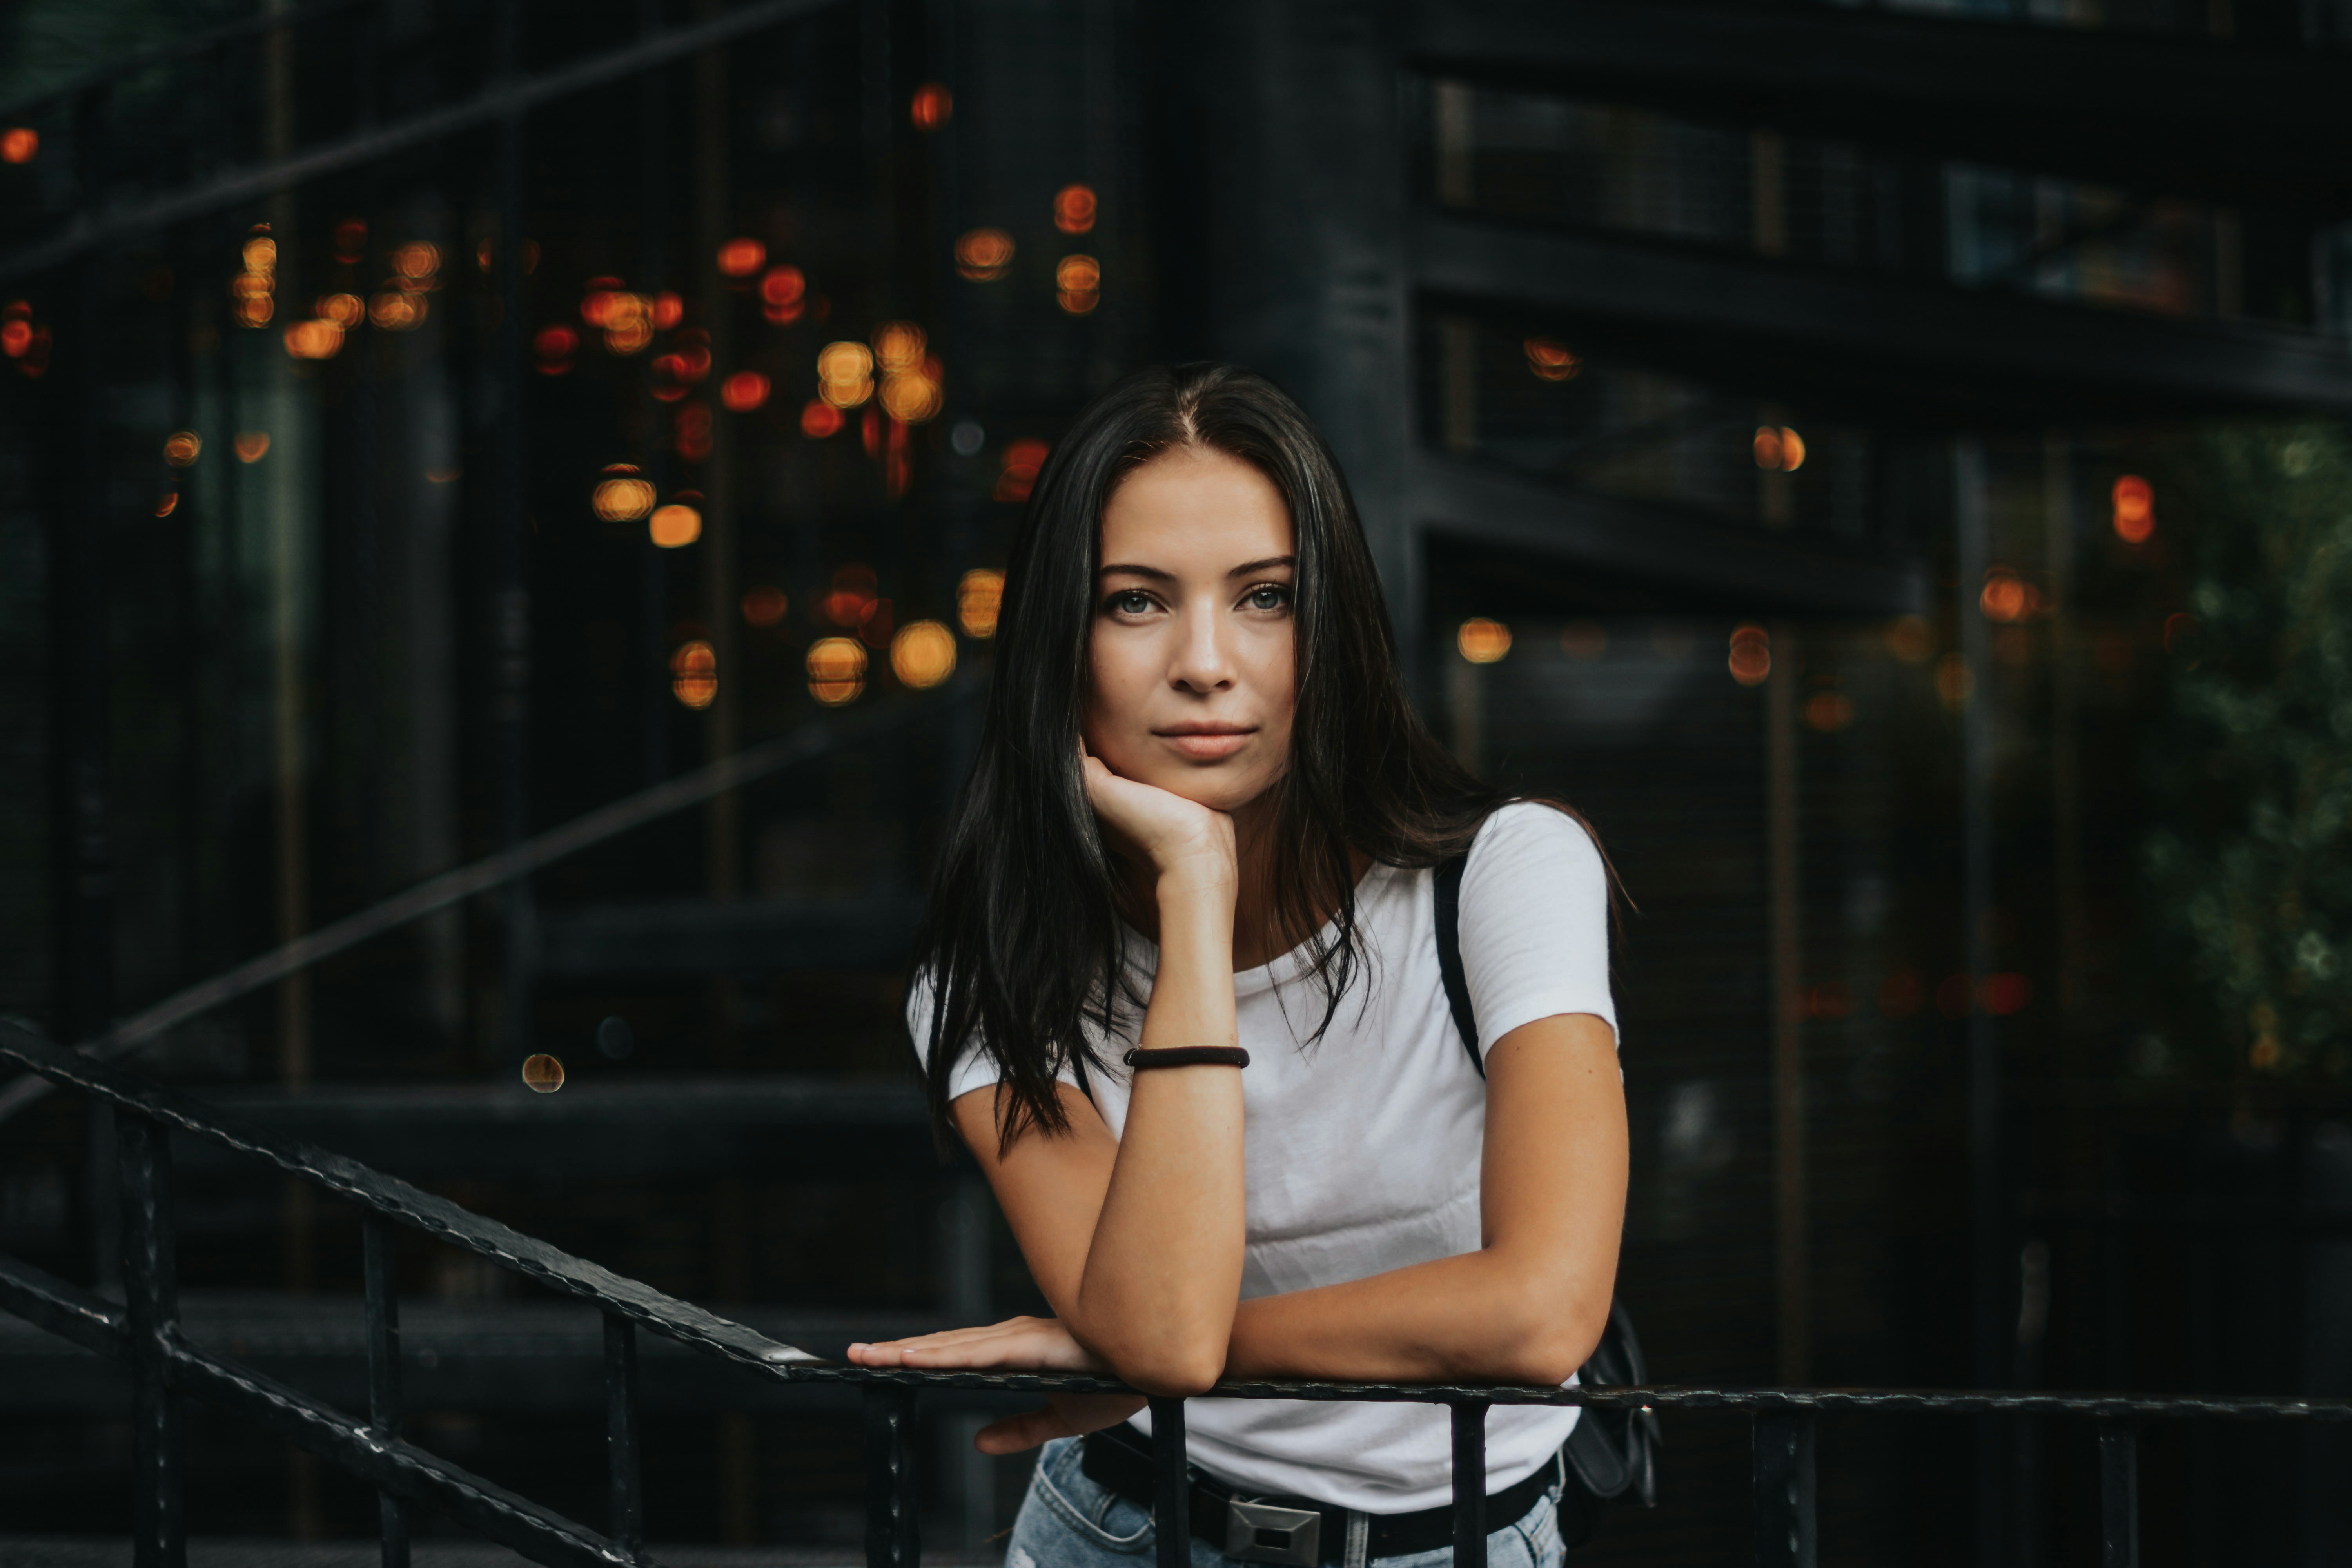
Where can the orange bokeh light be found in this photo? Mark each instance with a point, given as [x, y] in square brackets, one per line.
[836, 670]
[922, 654]
[314, 339]
[669, 311]
[2135, 502]
[1751, 655]
[742, 257]
[417, 261]
[2006, 595]
[743, 391]
[345, 310]
[396, 312]
[899, 345]
[980, 597]
[169, 504]
[1481, 641]
[1779, 446]
[251, 446]
[981, 255]
[1078, 282]
[694, 674]
[1551, 360]
[675, 526]
[623, 495]
[930, 107]
[783, 294]
[1074, 209]
[820, 419]
[182, 447]
[18, 144]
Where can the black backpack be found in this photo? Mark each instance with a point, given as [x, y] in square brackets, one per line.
[1611, 1452]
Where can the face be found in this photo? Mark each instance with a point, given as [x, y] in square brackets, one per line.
[1192, 672]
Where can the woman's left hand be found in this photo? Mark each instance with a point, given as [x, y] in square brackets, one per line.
[1027, 1344]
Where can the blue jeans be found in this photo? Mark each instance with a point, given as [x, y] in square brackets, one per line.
[1068, 1520]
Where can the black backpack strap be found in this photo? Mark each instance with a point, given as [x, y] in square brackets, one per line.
[1447, 882]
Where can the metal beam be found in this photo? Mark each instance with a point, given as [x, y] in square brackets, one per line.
[1937, 348]
[749, 939]
[1748, 569]
[2184, 114]
[512, 96]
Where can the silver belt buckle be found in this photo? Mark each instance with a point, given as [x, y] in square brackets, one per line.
[1260, 1532]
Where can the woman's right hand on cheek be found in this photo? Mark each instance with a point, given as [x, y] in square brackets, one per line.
[1176, 835]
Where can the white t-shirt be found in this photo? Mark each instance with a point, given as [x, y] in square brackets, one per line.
[1362, 1150]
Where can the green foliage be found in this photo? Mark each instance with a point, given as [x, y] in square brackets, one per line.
[2250, 871]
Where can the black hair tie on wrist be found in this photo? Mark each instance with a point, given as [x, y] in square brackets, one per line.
[1188, 1057]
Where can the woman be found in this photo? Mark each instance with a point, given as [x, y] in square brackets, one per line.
[1203, 814]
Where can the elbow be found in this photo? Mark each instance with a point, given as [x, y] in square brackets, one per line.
[1546, 1335]
[1178, 1367]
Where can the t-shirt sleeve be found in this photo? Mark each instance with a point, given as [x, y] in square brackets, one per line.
[975, 1068]
[1534, 921]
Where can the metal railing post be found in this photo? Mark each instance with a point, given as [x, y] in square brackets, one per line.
[1171, 1485]
[2119, 1494]
[627, 1525]
[383, 1282]
[1784, 1488]
[892, 1539]
[151, 1305]
[1470, 1484]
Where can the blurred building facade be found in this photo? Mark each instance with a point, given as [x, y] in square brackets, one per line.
[1799, 434]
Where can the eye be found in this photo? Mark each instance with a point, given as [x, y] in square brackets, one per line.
[1267, 597]
[1129, 602]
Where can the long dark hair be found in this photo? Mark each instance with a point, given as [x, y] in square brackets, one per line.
[1021, 943]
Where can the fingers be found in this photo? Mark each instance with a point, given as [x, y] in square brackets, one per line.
[1067, 1416]
[1037, 1343]
[1019, 1434]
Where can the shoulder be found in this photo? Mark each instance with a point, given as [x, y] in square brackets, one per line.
[1528, 837]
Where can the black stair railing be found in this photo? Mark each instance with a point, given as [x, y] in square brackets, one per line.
[166, 1365]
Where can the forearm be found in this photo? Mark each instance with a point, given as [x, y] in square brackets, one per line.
[1162, 1269]
[1483, 1317]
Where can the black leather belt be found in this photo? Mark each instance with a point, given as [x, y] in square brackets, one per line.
[1290, 1530]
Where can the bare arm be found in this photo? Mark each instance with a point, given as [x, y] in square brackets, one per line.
[1528, 1306]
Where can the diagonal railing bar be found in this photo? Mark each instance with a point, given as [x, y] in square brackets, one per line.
[396, 1200]
[398, 1468]
[586, 832]
[501, 98]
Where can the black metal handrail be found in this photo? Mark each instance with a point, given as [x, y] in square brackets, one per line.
[144, 1332]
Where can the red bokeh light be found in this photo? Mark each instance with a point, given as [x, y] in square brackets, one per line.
[742, 257]
[743, 391]
[555, 346]
[931, 106]
[820, 419]
[1023, 458]
[2135, 502]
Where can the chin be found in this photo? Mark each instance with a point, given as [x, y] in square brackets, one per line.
[1215, 788]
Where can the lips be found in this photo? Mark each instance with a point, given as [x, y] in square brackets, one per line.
[1205, 742]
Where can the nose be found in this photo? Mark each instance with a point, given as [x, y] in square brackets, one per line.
[1202, 662]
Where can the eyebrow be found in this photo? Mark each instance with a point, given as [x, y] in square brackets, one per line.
[1155, 574]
